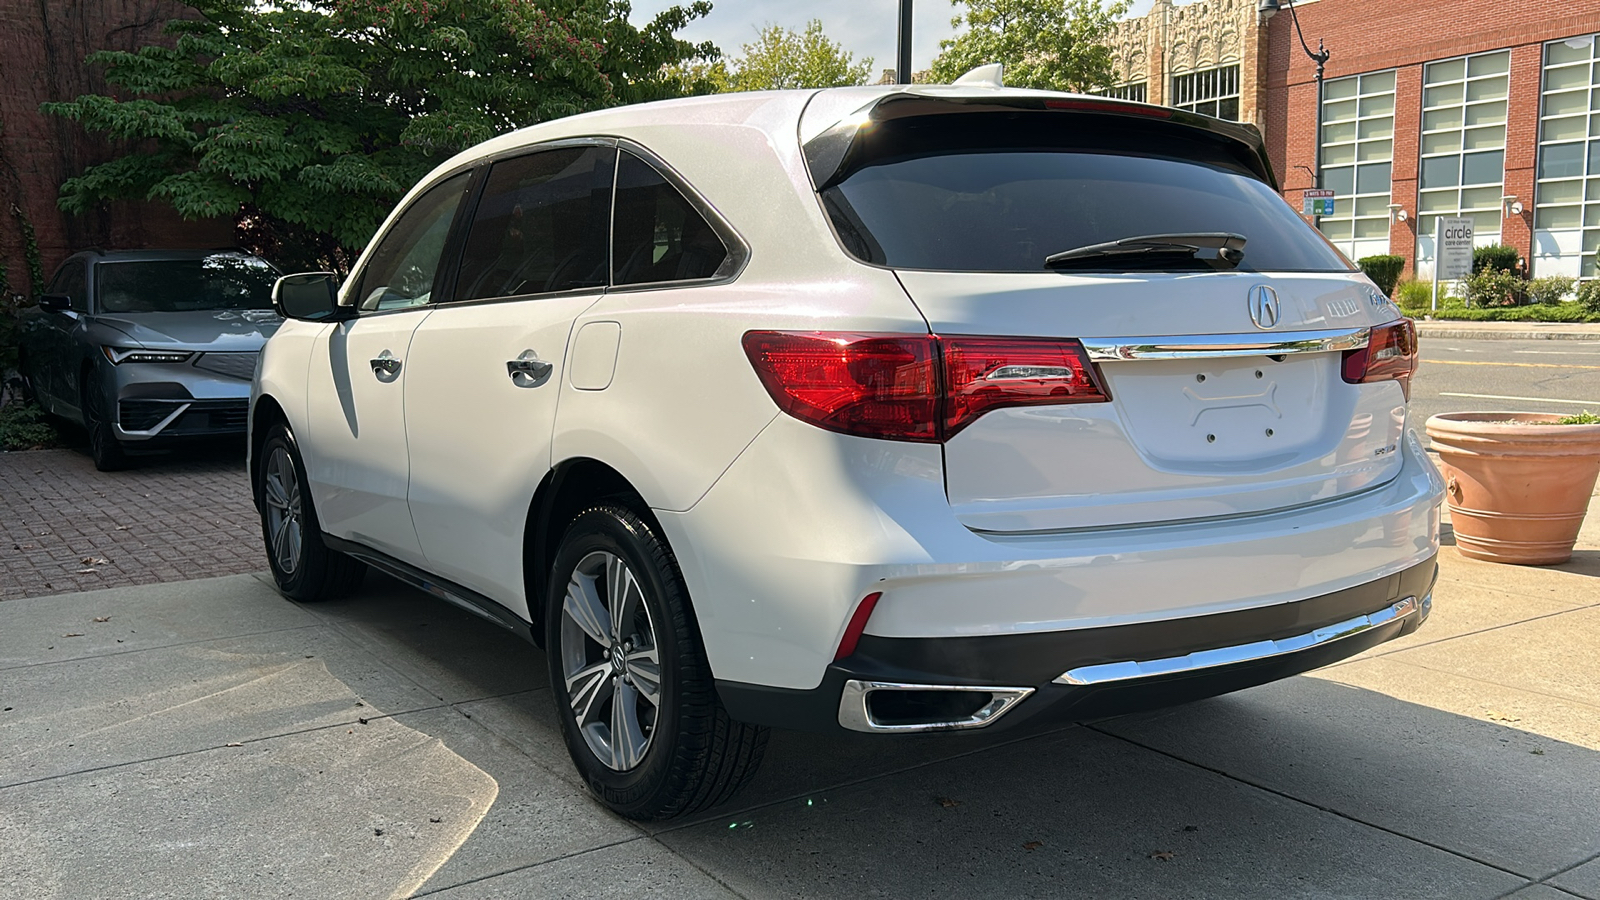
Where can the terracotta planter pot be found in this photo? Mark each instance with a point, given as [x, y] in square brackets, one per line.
[1518, 484]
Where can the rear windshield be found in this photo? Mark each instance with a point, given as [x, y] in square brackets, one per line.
[224, 281]
[995, 192]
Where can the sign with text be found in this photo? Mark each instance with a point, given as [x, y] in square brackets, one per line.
[1318, 202]
[1452, 242]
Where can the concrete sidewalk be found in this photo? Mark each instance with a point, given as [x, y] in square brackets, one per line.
[1507, 331]
[210, 739]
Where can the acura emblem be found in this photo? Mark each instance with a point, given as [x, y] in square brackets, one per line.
[1263, 306]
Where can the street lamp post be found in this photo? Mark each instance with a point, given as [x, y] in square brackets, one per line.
[902, 70]
[1267, 9]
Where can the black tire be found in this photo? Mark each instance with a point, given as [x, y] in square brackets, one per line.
[304, 568]
[104, 447]
[694, 755]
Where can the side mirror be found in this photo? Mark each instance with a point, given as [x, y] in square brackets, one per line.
[311, 296]
[57, 302]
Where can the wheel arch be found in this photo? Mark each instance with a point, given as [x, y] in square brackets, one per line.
[569, 488]
[266, 413]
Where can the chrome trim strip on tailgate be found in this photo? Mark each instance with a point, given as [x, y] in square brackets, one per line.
[1226, 656]
[1223, 346]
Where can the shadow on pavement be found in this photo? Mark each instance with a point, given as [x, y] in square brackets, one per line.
[1305, 788]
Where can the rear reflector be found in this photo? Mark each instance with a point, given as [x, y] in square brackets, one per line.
[858, 624]
[1390, 355]
[923, 388]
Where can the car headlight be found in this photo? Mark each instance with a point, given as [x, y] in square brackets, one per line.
[120, 355]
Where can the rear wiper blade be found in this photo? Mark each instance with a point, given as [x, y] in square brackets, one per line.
[1156, 248]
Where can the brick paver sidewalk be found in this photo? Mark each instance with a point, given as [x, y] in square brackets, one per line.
[66, 527]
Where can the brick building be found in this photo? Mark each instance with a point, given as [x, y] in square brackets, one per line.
[1476, 108]
[42, 51]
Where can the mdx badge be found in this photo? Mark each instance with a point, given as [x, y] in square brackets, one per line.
[1263, 306]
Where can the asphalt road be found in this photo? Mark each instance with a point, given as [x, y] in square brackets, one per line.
[1525, 376]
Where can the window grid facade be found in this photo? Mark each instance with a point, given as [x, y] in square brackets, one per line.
[1461, 171]
[1212, 92]
[1135, 91]
[1567, 211]
[1357, 137]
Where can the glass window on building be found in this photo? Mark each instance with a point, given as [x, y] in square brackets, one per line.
[1566, 217]
[1134, 91]
[1357, 158]
[1212, 92]
[1463, 153]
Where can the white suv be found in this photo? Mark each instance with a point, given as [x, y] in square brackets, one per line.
[891, 409]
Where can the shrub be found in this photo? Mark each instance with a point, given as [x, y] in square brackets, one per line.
[1566, 312]
[1494, 287]
[23, 427]
[1549, 290]
[1589, 296]
[1494, 256]
[1384, 270]
[1415, 296]
[1583, 418]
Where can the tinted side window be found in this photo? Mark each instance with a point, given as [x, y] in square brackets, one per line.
[401, 270]
[540, 226]
[72, 280]
[658, 235]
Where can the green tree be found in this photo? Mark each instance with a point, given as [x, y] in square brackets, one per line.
[1046, 44]
[782, 58]
[305, 121]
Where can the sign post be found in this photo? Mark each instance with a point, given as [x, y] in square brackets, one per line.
[1452, 251]
[1316, 202]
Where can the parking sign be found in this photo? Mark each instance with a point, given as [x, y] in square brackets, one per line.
[1317, 202]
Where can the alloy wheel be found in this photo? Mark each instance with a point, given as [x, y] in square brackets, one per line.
[280, 488]
[610, 660]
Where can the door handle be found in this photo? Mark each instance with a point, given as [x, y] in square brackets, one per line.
[386, 366]
[528, 370]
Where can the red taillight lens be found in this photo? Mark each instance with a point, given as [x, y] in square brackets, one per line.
[989, 373]
[1390, 355]
[915, 387]
[882, 386]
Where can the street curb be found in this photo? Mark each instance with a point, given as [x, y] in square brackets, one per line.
[1463, 334]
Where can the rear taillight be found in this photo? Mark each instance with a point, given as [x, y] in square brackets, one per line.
[915, 387]
[990, 373]
[1390, 355]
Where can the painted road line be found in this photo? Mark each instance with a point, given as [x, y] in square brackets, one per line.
[1524, 399]
[1508, 364]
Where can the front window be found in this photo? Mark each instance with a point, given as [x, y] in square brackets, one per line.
[992, 192]
[219, 281]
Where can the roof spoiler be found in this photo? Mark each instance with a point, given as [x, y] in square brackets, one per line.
[831, 154]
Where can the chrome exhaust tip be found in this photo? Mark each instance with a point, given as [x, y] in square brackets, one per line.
[890, 707]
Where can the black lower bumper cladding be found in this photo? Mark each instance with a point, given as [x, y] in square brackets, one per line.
[1038, 660]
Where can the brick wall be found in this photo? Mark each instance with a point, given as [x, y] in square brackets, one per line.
[42, 47]
[1372, 35]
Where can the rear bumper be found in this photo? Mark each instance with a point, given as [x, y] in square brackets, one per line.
[781, 551]
[1225, 652]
